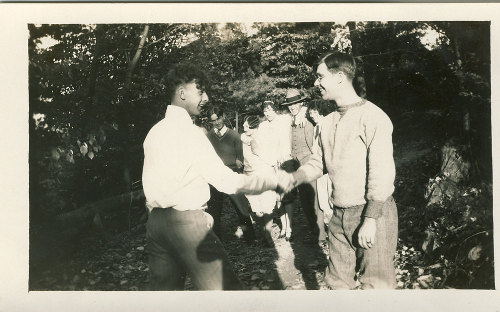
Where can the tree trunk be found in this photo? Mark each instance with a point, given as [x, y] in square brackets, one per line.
[126, 115]
[237, 123]
[86, 213]
[94, 67]
[137, 55]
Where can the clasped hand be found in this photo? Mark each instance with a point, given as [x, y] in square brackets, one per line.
[286, 182]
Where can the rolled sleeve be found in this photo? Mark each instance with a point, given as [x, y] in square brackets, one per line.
[211, 167]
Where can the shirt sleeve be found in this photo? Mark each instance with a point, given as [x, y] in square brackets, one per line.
[211, 167]
[380, 163]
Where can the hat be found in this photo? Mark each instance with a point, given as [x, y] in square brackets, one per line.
[293, 96]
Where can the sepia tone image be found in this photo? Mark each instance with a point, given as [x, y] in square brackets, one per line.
[260, 156]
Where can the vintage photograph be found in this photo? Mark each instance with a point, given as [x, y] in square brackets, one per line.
[249, 156]
[260, 156]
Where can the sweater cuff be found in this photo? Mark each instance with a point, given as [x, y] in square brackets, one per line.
[299, 176]
[374, 209]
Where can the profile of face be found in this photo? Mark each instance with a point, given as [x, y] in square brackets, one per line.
[295, 108]
[269, 113]
[217, 121]
[194, 98]
[315, 116]
[246, 128]
[327, 82]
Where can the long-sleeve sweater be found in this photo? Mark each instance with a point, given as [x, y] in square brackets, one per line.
[356, 147]
[228, 147]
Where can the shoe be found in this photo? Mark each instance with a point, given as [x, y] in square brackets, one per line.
[289, 237]
[282, 235]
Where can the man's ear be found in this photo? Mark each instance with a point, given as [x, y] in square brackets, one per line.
[341, 76]
[181, 92]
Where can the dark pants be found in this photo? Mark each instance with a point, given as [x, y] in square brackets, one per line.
[310, 206]
[241, 207]
[180, 242]
[308, 200]
[375, 265]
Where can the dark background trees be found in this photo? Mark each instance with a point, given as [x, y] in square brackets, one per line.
[96, 92]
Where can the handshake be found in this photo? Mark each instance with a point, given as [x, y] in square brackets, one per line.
[286, 180]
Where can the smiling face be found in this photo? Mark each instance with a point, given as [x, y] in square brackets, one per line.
[217, 122]
[194, 98]
[295, 108]
[327, 82]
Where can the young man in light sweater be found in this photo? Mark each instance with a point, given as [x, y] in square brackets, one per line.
[356, 149]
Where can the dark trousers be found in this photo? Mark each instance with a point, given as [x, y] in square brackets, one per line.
[310, 206]
[375, 265]
[241, 207]
[180, 242]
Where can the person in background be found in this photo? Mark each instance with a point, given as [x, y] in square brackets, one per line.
[302, 139]
[227, 144]
[179, 164]
[275, 131]
[259, 159]
[316, 110]
[356, 150]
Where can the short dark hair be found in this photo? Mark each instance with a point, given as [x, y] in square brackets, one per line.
[184, 73]
[219, 112]
[346, 63]
[338, 61]
[322, 106]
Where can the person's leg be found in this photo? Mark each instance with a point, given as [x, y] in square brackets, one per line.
[320, 221]
[289, 209]
[376, 265]
[267, 227]
[201, 252]
[342, 256]
[242, 208]
[308, 201]
[215, 205]
[165, 271]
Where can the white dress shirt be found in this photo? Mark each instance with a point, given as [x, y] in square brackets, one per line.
[180, 162]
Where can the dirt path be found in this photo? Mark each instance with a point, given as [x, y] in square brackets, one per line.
[288, 265]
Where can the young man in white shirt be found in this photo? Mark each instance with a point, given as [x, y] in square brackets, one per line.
[179, 164]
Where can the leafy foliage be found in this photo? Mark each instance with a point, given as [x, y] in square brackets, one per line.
[91, 108]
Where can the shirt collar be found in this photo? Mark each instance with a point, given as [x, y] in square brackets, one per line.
[343, 109]
[178, 113]
[222, 131]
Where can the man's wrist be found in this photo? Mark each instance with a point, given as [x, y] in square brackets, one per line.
[369, 220]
